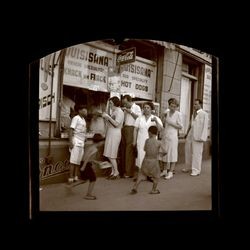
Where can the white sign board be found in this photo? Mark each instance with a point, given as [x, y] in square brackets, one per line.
[139, 79]
[207, 97]
[87, 67]
[45, 97]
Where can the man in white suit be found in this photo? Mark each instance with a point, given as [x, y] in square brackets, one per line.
[196, 136]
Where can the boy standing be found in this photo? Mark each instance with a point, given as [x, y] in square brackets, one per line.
[77, 135]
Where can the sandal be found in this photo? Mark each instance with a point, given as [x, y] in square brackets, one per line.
[155, 192]
[90, 197]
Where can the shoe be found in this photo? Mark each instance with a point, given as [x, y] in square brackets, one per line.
[76, 178]
[164, 173]
[133, 191]
[109, 176]
[90, 197]
[127, 176]
[192, 174]
[155, 192]
[70, 181]
[169, 175]
[114, 177]
[185, 170]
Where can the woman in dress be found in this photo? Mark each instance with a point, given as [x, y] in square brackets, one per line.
[113, 134]
[172, 124]
[141, 127]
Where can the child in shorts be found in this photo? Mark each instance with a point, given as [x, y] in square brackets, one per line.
[87, 171]
[150, 165]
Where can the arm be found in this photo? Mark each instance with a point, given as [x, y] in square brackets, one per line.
[133, 114]
[176, 125]
[110, 120]
[135, 136]
[158, 122]
[71, 130]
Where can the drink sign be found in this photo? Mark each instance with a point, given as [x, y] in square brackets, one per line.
[126, 56]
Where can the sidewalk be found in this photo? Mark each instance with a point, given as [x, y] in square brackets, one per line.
[183, 192]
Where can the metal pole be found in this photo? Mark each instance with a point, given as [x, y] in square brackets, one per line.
[173, 73]
[51, 94]
[60, 92]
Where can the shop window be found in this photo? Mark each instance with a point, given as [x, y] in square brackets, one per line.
[95, 102]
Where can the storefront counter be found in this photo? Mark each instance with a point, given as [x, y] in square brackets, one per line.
[54, 167]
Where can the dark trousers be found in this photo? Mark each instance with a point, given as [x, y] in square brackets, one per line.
[128, 159]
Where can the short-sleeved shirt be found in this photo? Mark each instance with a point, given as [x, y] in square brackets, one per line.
[79, 125]
[129, 120]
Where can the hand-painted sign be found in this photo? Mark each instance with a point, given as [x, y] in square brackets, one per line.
[46, 96]
[87, 67]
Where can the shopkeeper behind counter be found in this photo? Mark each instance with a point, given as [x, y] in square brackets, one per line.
[97, 124]
[67, 112]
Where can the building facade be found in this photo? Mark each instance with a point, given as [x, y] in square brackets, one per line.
[89, 74]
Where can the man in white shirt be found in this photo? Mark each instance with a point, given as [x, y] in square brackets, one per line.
[131, 112]
[196, 136]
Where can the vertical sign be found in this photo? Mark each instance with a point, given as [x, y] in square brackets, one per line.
[45, 97]
[207, 94]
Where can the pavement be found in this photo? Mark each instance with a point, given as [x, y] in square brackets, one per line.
[181, 193]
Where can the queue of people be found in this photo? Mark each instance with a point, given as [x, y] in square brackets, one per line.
[136, 132]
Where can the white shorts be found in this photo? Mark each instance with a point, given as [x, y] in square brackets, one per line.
[76, 153]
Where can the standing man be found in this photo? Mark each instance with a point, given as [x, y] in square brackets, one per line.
[196, 136]
[131, 111]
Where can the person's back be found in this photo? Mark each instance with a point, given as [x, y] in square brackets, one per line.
[152, 146]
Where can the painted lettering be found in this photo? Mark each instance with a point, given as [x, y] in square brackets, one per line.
[138, 70]
[126, 84]
[81, 54]
[46, 101]
[141, 87]
[50, 170]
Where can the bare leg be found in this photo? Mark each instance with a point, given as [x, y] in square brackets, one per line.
[138, 181]
[165, 170]
[71, 172]
[154, 188]
[77, 172]
[89, 195]
[90, 188]
[170, 173]
[172, 166]
[115, 168]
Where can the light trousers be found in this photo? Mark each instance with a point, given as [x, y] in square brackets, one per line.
[193, 155]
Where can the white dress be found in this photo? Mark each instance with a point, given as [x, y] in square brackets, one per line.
[142, 135]
[170, 136]
[113, 135]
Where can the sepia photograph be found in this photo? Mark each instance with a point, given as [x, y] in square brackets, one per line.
[125, 125]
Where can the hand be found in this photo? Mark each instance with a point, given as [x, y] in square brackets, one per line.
[127, 110]
[105, 115]
[153, 119]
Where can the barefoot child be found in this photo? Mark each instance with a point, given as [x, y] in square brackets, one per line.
[87, 171]
[150, 165]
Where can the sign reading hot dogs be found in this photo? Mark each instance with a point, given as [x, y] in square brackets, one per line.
[126, 56]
